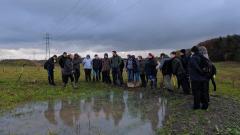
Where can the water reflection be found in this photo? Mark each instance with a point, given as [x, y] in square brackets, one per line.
[127, 113]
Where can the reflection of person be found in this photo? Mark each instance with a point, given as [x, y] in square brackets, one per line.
[118, 107]
[50, 113]
[68, 113]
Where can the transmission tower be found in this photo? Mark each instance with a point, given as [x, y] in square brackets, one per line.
[48, 52]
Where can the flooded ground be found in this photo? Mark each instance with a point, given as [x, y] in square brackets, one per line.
[127, 113]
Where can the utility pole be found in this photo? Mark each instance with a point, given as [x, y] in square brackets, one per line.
[48, 52]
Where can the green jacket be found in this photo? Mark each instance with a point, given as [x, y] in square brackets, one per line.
[116, 61]
[177, 67]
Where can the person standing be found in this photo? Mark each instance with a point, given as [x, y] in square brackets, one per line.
[129, 67]
[76, 67]
[106, 67]
[68, 71]
[87, 65]
[142, 71]
[166, 67]
[151, 71]
[96, 66]
[136, 70]
[199, 81]
[115, 65]
[62, 60]
[185, 60]
[178, 70]
[49, 65]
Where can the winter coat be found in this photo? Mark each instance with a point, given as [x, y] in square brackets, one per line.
[106, 64]
[129, 64]
[68, 67]
[62, 60]
[49, 65]
[116, 61]
[87, 63]
[185, 61]
[150, 67]
[97, 64]
[142, 66]
[76, 63]
[195, 71]
[136, 66]
[177, 67]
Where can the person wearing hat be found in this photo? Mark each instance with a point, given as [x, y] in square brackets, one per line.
[87, 65]
[199, 82]
[115, 65]
[49, 66]
[106, 67]
[96, 66]
[61, 62]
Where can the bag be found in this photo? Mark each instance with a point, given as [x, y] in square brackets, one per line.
[207, 66]
[167, 67]
[45, 65]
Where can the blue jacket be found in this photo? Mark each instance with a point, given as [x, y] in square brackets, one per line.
[195, 71]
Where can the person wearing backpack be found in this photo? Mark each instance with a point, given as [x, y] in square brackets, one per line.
[199, 80]
[68, 71]
[87, 65]
[165, 66]
[76, 67]
[49, 65]
[179, 71]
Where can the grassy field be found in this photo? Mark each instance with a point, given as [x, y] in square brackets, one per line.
[221, 118]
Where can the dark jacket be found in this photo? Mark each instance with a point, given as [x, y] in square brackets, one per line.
[195, 71]
[97, 64]
[185, 61]
[150, 67]
[136, 66]
[142, 66]
[76, 63]
[68, 67]
[62, 60]
[177, 67]
[106, 64]
[116, 61]
[49, 65]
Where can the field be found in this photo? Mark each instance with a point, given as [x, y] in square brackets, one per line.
[19, 85]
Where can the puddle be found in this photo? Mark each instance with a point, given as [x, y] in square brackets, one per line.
[128, 113]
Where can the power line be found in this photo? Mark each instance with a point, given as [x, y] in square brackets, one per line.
[47, 43]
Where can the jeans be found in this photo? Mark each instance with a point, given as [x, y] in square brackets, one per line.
[136, 76]
[116, 75]
[153, 81]
[96, 74]
[50, 76]
[130, 75]
[106, 77]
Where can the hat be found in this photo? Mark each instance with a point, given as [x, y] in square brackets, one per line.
[65, 53]
[114, 51]
[195, 49]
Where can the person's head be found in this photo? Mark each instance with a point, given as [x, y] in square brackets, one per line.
[133, 56]
[162, 55]
[182, 52]
[150, 56]
[88, 56]
[105, 55]
[114, 53]
[128, 56]
[194, 50]
[173, 54]
[54, 58]
[96, 56]
[65, 54]
[140, 58]
[76, 55]
[203, 51]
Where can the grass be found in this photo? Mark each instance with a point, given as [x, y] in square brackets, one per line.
[221, 118]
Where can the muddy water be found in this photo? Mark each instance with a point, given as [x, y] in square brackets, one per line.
[127, 113]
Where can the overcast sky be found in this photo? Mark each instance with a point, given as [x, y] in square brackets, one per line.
[90, 26]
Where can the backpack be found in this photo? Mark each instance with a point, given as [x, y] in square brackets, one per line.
[167, 67]
[206, 66]
[45, 66]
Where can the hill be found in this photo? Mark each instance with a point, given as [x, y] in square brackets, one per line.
[223, 48]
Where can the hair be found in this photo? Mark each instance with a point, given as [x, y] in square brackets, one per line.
[195, 49]
[173, 53]
[64, 53]
[55, 56]
[183, 51]
[114, 51]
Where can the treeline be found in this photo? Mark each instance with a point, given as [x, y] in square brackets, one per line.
[223, 48]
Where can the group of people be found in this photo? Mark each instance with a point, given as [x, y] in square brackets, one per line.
[193, 71]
